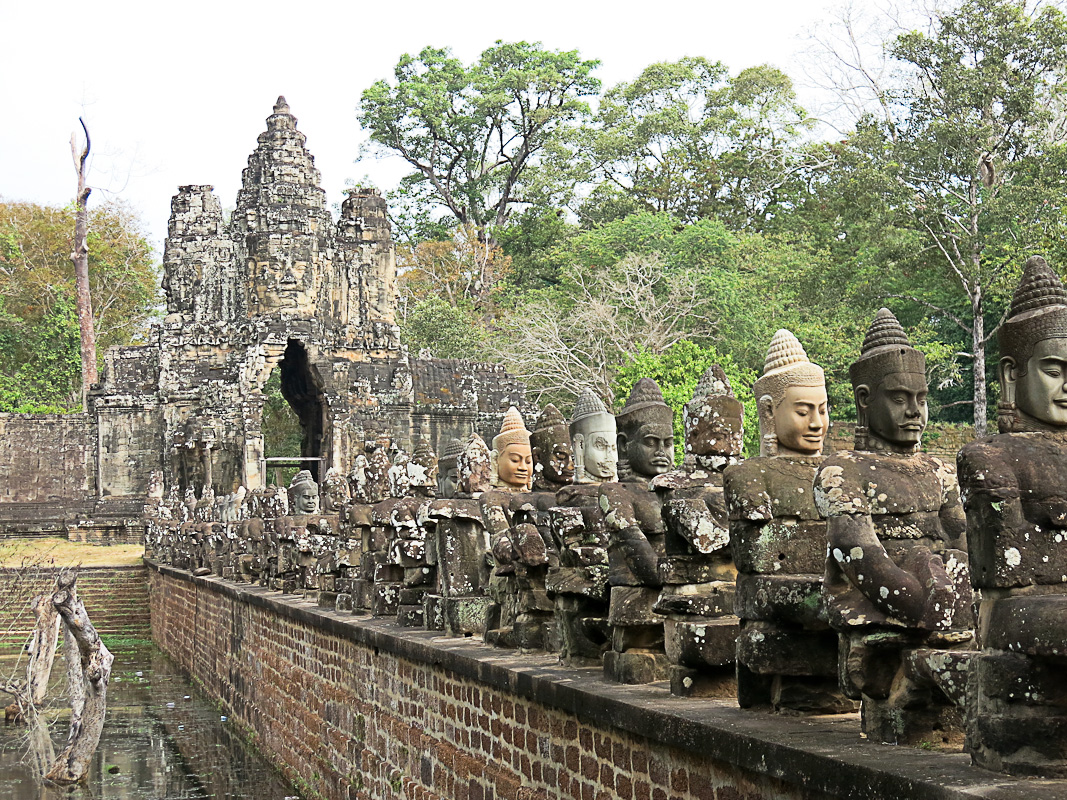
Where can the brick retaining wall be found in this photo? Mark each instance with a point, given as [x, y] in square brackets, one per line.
[353, 707]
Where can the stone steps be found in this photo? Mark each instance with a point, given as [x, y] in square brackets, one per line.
[115, 597]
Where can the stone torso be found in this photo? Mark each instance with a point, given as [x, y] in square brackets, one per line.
[1015, 494]
[774, 525]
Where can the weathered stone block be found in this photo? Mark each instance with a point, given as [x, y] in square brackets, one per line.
[635, 667]
[632, 605]
[789, 598]
[767, 648]
[701, 642]
[781, 546]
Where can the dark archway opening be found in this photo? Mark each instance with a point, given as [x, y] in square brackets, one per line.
[295, 427]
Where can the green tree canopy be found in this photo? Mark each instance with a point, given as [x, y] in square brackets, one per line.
[687, 139]
[476, 135]
[944, 198]
[40, 366]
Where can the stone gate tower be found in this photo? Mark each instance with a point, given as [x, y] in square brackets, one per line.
[280, 286]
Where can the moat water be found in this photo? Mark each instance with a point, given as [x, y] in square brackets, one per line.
[162, 740]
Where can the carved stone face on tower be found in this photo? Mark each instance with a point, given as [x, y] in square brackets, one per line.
[594, 439]
[284, 283]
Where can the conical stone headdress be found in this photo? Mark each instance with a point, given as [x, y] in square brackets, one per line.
[451, 453]
[645, 404]
[512, 431]
[588, 407]
[885, 350]
[550, 428]
[1038, 312]
[787, 365]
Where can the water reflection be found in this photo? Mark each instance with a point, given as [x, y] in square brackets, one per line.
[162, 741]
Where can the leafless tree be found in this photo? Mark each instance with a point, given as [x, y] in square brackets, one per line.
[635, 306]
[80, 257]
[88, 673]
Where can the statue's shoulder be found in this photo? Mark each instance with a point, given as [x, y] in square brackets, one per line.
[993, 465]
[842, 481]
[745, 488]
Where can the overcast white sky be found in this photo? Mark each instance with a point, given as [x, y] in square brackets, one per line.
[176, 93]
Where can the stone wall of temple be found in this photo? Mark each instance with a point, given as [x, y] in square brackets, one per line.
[360, 708]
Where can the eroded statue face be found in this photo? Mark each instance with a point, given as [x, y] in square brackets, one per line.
[558, 464]
[802, 420]
[514, 466]
[1042, 392]
[896, 410]
[306, 499]
[650, 450]
[600, 453]
[448, 481]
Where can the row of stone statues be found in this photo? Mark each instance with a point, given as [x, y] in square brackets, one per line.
[796, 581]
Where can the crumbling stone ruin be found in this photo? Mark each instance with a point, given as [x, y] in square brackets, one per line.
[796, 581]
[279, 287]
[696, 569]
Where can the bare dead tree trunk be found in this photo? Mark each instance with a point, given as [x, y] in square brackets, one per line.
[90, 670]
[80, 257]
[42, 648]
[978, 346]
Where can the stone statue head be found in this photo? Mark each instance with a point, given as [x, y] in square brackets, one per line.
[399, 479]
[376, 473]
[552, 454]
[511, 458]
[645, 432]
[791, 399]
[448, 469]
[889, 384]
[713, 423]
[475, 469]
[422, 468]
[594, 439]
[304, 493]
[335, 493]
[1033, 353]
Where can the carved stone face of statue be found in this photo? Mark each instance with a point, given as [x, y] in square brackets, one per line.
[1041, 393]
[306, 499]
[650, 449]
[448, 480]
[600, 452]
[515, 465]
[558, 463]
[801, 420]
[896, 409]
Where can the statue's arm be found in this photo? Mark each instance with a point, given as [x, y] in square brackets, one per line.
[624, 530]
[918, 595]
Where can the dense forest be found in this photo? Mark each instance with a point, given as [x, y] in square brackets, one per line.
[585, 235]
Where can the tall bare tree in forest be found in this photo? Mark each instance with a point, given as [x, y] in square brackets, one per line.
[80, 257]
